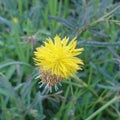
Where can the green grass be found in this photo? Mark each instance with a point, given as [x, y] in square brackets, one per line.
[94, 93]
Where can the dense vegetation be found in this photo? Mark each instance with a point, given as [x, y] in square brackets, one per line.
[94, 94]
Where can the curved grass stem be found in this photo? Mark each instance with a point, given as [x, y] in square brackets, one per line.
[103, 18]
[103, 107]
[85, 85]
[99, 99]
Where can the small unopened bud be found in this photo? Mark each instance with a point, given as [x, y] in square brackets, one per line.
[71, 114]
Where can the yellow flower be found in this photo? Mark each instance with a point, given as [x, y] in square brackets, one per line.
[57, 59]
[15, 20]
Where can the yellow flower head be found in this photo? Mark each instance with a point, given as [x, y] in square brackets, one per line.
[15, 20]
[57, 59]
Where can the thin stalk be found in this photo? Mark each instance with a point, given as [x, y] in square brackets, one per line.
[106, 15]
[71, 87]
[100, 99]
[85, 85]
[103, 107]
[99, 44]
[84, 28]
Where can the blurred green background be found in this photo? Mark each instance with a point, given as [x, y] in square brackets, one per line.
[25, 24]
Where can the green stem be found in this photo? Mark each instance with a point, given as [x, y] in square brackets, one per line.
[100, 99]
[71, 87]
[106, 15]
[102, 108]
[98, 44]
[85, 85]
[84, 28]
